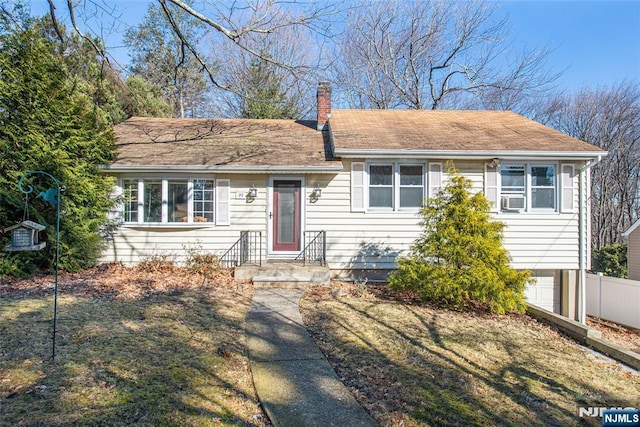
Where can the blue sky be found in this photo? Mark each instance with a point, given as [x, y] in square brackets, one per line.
[595, 42]
[598, 42]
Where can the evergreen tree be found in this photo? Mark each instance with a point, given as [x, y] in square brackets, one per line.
[264, 97]
[161, 58]
[48, 123]
[114, 100]
[144, 99]
[611, 260]
[459, 258]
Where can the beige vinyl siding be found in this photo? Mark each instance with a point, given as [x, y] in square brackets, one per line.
[355, 240]
[358, 239]
[542, 241]
[132, 244]
[633, 260]
[374, 239]
[473, 171]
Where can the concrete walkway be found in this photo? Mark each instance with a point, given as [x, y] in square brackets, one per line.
[296, 385]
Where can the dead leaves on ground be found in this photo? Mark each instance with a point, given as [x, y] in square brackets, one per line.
[116, 280]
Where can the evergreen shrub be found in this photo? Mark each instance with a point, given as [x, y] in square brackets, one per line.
[459, 260]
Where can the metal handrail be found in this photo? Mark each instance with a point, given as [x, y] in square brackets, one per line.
[316, 250]
[246, 250]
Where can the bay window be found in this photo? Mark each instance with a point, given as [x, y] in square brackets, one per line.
[177, 200]
[130, 200]
[152, 201]
[155, 200]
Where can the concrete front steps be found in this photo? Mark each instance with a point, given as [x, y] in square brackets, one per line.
[281, 274]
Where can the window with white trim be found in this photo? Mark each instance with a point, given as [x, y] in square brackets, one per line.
[177, 200]
[513, 179]
[203, 199]
[395, 186]
[164, 200]
[411, 186]
[381, 186]
[130, 199]
[528, 187]
[543, 187]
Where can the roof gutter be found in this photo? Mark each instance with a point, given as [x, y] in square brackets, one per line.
[593, 162]
[220, 169]
[469, 154]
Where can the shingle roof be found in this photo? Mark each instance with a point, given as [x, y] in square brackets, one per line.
[446, 130]
[156, 142]
[280, 144]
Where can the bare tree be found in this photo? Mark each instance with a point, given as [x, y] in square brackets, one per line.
[435, 54]
[264, 89]
[237, 30]
[160, 57]
[608, 117]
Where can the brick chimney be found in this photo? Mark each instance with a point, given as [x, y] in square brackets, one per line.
[324, 104]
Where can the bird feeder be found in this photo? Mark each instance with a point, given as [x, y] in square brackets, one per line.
[24, 237]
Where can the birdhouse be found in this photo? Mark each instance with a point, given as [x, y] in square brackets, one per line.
[24, 237]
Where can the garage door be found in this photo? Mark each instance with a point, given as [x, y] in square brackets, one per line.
[544, 293]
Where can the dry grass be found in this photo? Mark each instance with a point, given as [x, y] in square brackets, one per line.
[161, 346]
[412, 365]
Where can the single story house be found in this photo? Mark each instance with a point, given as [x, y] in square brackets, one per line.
[633, 250]
[358, 176]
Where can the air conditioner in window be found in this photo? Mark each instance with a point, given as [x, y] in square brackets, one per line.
[513, 202]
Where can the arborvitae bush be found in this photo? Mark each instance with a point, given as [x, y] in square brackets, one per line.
[459, 260]
[47, 123]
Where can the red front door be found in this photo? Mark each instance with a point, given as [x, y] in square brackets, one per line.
[286, 215]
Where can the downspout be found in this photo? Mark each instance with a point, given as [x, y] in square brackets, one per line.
[584, 232]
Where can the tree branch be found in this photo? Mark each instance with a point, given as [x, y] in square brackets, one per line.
[72, 16]
[54, 21]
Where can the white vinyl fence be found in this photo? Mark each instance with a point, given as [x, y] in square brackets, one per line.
[617, 300]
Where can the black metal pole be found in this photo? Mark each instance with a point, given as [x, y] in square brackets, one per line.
[57, 203]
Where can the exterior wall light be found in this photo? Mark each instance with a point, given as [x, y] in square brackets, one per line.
[253, 192]
[315, 194]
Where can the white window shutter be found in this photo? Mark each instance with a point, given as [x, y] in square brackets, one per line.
[116, 213]
[567, 193]
[223, 193]
[491, 188]
[435, 179]
[358, 187]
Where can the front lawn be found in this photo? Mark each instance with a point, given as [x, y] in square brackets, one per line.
[159, 345]
[134, 347]
[411, 365]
